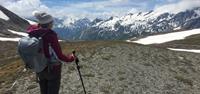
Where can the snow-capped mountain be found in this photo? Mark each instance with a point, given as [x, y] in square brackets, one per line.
[142, 24]
[114, 28]
[69, 29]
[127, 26]
[10, 23]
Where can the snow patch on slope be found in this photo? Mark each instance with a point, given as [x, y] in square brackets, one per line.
[130, 19]
[110, 23]
[157, 39]
[9, 39]
[18, 33]
[185, 50]
[3, 16]
[31, 22]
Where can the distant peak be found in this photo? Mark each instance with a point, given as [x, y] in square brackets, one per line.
[148, 12]
[130, 14]
[139, 13]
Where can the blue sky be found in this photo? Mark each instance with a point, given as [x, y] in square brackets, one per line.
[65, 2]
[99, 8]
[94, 8]
[150, 3]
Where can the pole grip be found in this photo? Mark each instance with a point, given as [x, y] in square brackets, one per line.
[74, 52]
[76, 60]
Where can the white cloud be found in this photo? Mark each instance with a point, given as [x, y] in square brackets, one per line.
[104, 8]
[93, 9]
[170, 0]
[133, 10]
[24, 7]
[101, 8]
[85, 9]
[179, 6]
[119, 1]
[100, 4]
[5, 2]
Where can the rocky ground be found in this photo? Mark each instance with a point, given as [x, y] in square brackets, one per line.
[123, 68]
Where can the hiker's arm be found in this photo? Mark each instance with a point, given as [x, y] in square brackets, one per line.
[56, 47]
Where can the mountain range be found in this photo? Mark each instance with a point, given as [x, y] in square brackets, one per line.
[129, 26]
[132, 25]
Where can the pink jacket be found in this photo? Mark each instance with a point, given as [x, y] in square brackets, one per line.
[50, 38]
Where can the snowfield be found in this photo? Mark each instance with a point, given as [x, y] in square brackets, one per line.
[31, 22]
[9, 39]
[157, 39]
[3, 16]
[16, 39]
[185, 50]
[13, 39]
[18, 33]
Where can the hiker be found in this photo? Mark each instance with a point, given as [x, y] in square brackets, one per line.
[49, 78]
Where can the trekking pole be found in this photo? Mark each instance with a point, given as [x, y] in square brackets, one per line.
[78, 68]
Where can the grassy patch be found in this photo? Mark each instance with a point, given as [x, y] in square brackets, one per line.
[106, 89]
[121, 72]
[89, 75]
[10, 64]
[9, 72]
[184, 80]
[121, 78]
[108, 57]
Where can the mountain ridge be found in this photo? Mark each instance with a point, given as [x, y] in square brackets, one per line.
[14, 22]
[124, 27]
[133, 25]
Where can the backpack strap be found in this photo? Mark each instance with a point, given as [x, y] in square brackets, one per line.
[38, 33]
[44, 34]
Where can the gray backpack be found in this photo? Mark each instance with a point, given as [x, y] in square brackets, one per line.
[29, 50]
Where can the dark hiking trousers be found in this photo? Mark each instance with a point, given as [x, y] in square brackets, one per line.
[49, 80]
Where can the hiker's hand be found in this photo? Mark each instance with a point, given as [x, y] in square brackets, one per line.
[71, 57]
[74, 57]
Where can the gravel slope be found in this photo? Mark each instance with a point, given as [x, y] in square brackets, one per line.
[125, 68]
